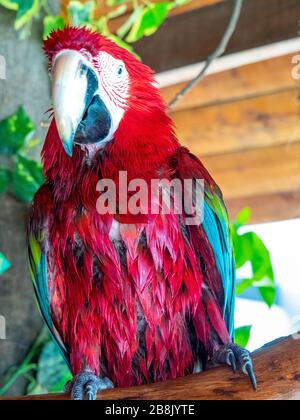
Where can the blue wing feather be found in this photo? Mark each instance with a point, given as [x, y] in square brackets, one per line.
[217, 231]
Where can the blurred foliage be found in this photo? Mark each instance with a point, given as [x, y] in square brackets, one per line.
[52, 372]
[242, 335]
[141, 17]
[43, 367]
[19, 175]
[250, 249]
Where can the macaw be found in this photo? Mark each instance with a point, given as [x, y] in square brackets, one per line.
[130, 299]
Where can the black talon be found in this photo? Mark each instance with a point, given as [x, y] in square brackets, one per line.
[232, 361]
[235, 356]
[86, 385]
[251, 374]
[90, 396]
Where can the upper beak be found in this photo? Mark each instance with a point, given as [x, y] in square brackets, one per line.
[74, 84]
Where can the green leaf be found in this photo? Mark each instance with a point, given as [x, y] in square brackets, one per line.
[81, 14]
[268, 294]
[27, 9]
[127, 25]
[4, 180]
[27, 178]
[4, 263]
[112, 3]
[52, 23]
[9, 4]
[32, 143]
[242, 335]
[149, 20]
[53, 372]
[119, 11]
[244, 284]
[243, 217]
[101, 26]
[250, 248]
[14, 132]
[179, 3]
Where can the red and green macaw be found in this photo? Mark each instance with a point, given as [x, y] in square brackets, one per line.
[129, 299]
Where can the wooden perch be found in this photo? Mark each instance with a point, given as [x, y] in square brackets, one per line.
[277, 367]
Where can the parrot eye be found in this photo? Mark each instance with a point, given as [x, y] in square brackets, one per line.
[120, 70]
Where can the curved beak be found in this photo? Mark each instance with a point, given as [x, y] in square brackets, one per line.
[74, 84]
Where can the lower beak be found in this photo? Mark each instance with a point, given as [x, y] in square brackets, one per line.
[74, 84]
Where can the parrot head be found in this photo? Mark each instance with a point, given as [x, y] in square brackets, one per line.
[95, 85]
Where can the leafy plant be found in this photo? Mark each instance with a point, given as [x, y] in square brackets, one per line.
[242, 335]
[249, 248]
[52, 371]
[28, 367]
[140, 18]
[21, 175]
[43, 367]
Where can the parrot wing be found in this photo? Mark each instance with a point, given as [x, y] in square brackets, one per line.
[216, 227]
[38, 266]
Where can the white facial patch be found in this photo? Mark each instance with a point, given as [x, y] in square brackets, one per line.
[114, 88]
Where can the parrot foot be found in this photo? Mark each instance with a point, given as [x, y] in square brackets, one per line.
[234, 355]
[86, 385]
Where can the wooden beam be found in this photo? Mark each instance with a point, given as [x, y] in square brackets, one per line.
[190, 37]
[257, 172]
[277, 368]
[267, 208]
[257, 79]
[250, 123]
[230, 62]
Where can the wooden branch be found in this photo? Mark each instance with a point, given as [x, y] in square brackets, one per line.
[217, 53]
[277, 368]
